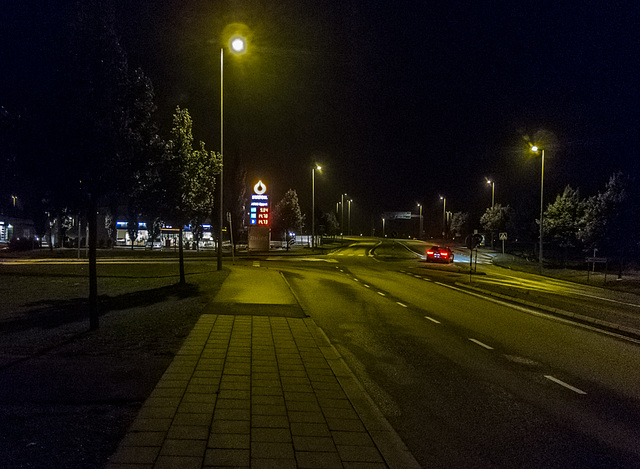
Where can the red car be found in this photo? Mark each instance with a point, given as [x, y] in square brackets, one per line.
[439, 254]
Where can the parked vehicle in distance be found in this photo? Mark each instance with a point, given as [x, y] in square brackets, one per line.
[157, 244]
[439, 254]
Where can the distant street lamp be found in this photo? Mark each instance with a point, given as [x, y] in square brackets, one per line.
[493, 199]
[349, 217]
[420, 232]
[313, 204]
[493, 191]
[536, 149]
[237, 46]
[342, 214]
[444, 216]
[383, 220]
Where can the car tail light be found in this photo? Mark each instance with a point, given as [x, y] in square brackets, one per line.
[429, 253]
[444, 253]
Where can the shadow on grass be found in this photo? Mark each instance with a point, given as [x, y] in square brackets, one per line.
[49, 314]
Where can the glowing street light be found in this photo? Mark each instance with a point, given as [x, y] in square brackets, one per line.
[237, 46]
[535, 149]
[493, 191]
[313, 204]
[444, 215]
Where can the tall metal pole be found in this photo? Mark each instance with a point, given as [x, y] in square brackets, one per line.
[313, 207]
[349, 218]
[541, 205]
[493, 193]
[420, 233]
[444, 217]
[341, 215]
[220, 215]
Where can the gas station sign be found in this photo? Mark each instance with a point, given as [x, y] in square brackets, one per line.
[259, 236]
[259, 213]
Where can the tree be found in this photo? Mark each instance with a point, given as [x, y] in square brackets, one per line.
[329, 224]
[154, 228]
[187, 177]
[611, 221]
[287, 216]
[109, 225]
[109, 116]
[496, 218]
[564, 219]
[132, 223]
[236, 197]
[460, 224]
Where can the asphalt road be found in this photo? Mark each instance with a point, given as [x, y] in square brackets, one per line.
[470, 381]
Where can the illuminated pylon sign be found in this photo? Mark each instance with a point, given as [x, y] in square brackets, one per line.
[259, 205]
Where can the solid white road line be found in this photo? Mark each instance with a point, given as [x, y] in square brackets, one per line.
[540, 314]
[566, 385]
[480, 344]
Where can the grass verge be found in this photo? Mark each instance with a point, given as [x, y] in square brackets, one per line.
[69, 394]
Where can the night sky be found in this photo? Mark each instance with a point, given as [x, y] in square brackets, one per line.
[400, 101]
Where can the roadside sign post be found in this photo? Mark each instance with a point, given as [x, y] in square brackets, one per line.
[503, 237]
[596, 260]
[233, 257]
[472, 242]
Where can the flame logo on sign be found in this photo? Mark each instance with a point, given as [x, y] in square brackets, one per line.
[260, 188]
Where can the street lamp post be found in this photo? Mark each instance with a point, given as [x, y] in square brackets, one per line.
[349, 217]
[383, 220]
[420, 232]
[237, 45]
[313, 204]
[493, 200]
[535, 149]
[342, 215]
[493, 192]
[444, 216]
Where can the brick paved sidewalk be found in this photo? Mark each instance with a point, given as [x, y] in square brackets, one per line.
[259, 392]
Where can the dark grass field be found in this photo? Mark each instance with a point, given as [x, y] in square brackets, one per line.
[67, 394]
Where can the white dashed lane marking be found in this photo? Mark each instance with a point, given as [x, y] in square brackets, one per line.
[488, 347]
[566, 385]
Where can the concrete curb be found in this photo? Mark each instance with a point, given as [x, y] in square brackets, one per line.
[391, 447]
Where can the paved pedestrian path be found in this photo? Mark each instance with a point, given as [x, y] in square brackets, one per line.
[259, 392]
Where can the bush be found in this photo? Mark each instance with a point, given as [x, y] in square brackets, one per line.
[23, 244]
